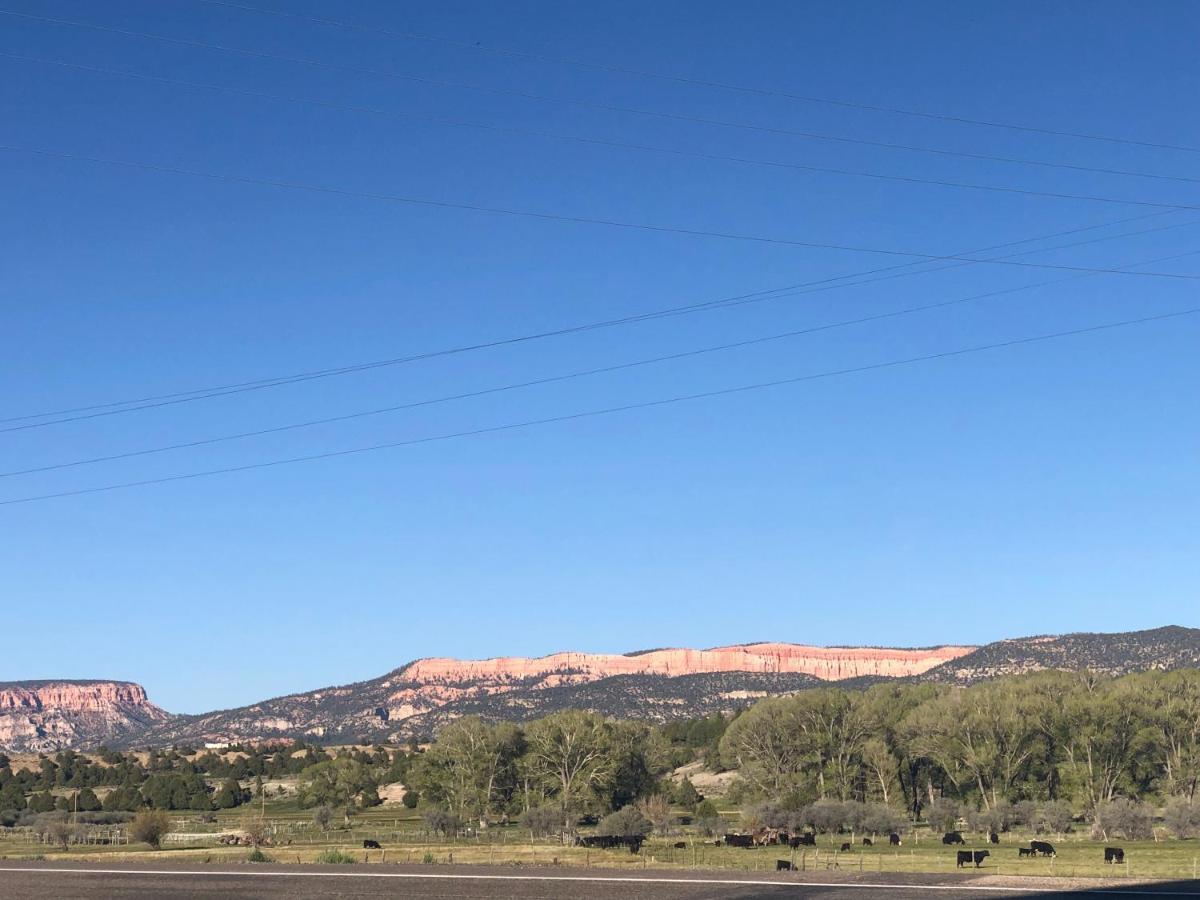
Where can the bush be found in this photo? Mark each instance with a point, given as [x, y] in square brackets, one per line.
[439, 820]
[687, 795]
[1124, 818]
[943, 814]
[149, 826]
[410, 799]
[333, 856]
[540, 821]
[1183, 818]
[628, 821]
[257, 856]
[880, 819]
[1055, 816]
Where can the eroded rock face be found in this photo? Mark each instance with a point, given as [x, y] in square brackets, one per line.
[826, 663]
[50, 715]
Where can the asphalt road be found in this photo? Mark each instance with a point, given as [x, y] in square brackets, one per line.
[19, 881]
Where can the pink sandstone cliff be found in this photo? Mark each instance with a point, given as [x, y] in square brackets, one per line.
[827, 663]
[47, 715]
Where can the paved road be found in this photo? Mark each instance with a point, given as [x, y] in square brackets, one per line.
[19, 881]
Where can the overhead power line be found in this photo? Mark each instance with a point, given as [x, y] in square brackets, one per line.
[593, 413]
[452, 122]
[576, 220]
[81, 413]
[555, 379]
[705, 82]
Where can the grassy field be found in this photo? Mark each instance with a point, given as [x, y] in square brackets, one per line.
[400, 832]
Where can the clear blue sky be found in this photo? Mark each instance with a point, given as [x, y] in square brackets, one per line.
[1045, 487]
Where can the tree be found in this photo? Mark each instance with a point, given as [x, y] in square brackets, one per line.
[60, 831]
[230, 795]
[657, 811]
[123, 798]
[85, 800]
[336, 783]
[568, 753]
[629, 821]
[468, 766]
[150, 826]
[42, 803]
[687, 795]
[411, 798]
[12, 796]
[255, 829]
[322, 816]
[943, 814]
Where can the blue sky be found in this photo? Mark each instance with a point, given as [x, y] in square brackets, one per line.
[1044, 487]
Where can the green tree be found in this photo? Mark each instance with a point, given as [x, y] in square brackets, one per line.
[230, 795]
[687, 795]
[569, 755]
[86, 800]
[336, 783]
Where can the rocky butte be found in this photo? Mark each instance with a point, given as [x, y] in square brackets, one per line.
[46, 715]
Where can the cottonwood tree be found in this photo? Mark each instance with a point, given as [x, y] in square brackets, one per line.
[569, 753]
[467, 764]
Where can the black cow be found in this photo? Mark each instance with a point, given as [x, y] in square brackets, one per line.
[739, 840]
[802, 840]
[972, 856]
[782, 865]
[952, 837]
[1042, 848]
[611, 841]
[680, 845]
[894, 839]
[1026, 851]
[1114, 855]
[867, 842]
[846, 847]
[371, 845]
[993, 837]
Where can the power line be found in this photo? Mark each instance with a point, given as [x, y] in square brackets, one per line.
[93, 411]
[649, 404]
[446, 121]
[703, 82]
[554, 379]
[575, 220]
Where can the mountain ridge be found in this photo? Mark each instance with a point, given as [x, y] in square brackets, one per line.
[415, 699]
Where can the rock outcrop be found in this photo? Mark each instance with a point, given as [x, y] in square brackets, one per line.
[49, 715]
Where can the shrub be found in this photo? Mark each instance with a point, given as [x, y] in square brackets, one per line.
[439, 820]
[943, 814]
[411, 799]
[1183, 818]
[687, 795]
[333, 856]
[1055, 816]
[322, 816]
[1126, 818]
[628, 821]
[149, 826]
[880, 819]
[257, 856]
[657, 809]
[542, 820]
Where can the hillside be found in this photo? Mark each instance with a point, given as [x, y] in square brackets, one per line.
[1170, 647]
[654, 685]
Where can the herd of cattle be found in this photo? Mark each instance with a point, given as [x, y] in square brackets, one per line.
[767, 836]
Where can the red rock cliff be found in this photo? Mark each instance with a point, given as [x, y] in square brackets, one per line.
[828, 663]
[49, 715]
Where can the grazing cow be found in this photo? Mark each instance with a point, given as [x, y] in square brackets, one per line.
[680, 845]
[611, 841]
[371, 845]
[993, 837]
[972, 856]
[1042, 848]
[782, 865]
[894, 839]
[846, 847]
[1026, 851]
[739, 840]
[867, 842]
[808, 839]
[1114, 855]
[952, 837]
